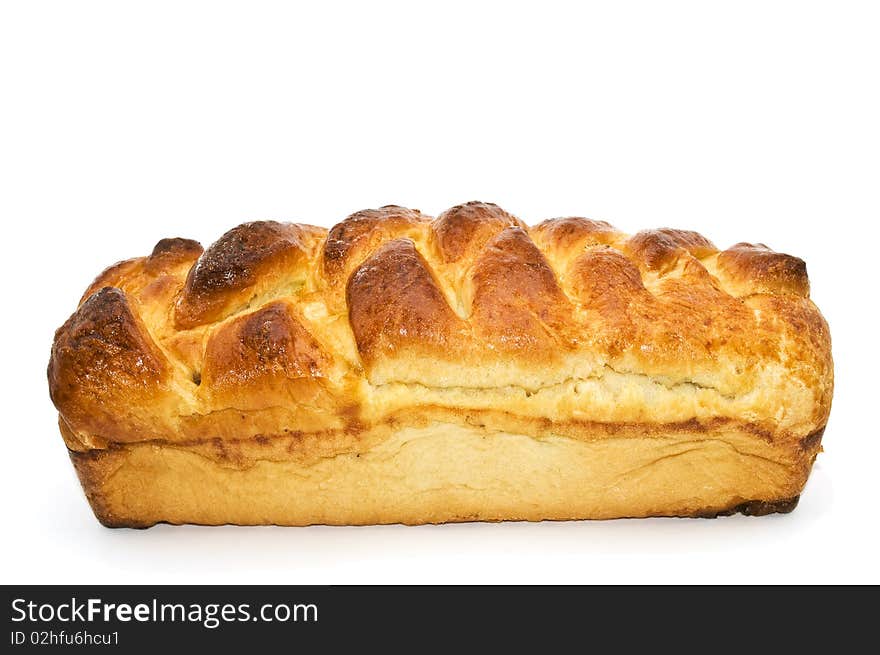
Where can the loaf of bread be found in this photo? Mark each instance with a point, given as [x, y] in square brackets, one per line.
[400, 368]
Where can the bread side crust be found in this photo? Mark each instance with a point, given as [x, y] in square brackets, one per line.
[442, 472]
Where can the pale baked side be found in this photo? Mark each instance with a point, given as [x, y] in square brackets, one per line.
[403, 368]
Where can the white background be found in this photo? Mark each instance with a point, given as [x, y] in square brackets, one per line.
[122, 123]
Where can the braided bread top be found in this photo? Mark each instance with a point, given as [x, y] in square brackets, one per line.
[287, 330]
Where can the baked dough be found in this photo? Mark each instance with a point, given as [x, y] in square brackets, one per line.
[408, 369]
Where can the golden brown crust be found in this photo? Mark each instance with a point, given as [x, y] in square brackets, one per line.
[465, 229]
[350, 242]
[658, 250]
[574, 232]
[247, 259]
[518, 306]
[269, 352]
[757, 269]
[288, 343]
[412, 313]
[170, 253]
[106, 375]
